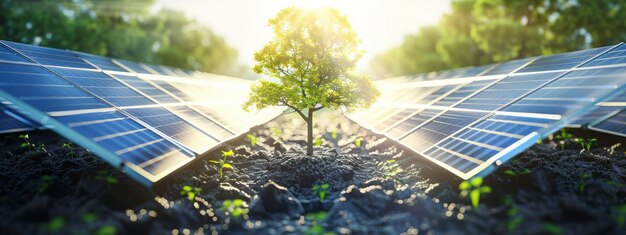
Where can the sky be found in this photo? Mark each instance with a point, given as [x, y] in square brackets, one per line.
[379, 24]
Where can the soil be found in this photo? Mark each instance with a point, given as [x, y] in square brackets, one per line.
[372, 187]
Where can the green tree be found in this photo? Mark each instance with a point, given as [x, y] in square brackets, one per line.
[313, 54]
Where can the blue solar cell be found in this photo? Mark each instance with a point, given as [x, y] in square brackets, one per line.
[507, 67]
[462, 93]
[614, 125]
[135, 67]
[148, 89]
[562, 61]
[103, 63]
[10, 55]
[14, 122]
[49, 56]
[613, 57]
[439, 128]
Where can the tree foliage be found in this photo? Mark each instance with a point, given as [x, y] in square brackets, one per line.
[122, 29]
[479, 32]
[313, 54]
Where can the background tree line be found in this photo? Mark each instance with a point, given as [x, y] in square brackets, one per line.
[124, 29]
[479, 32]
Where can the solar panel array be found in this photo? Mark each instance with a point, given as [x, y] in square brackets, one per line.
[148, 119]
[471, 120]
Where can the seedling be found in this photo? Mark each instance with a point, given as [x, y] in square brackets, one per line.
[515, 219]
[46, 181]
[107, 176]
[562, 136]
[321, 190]
[190, 192]
[253, 139]
[70, 147]
[586, 143]
[223, 163]
[619, 214]
[26, 142]
[317, 228]
[583, 182]
[317, 142]
[358, 141]
[552, 229]
[391, 170]
[236, 208]
[107, 230]
[56, 224]
[474, 189]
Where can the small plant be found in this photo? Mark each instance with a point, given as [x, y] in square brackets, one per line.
[583, 182]
[55, 224]
[26, 142]
[190, 192]
[46, 181]
[515, 219]
[321, 190]
[562, 136]
[70, 147]
[107, 176]
[317, 228]
[223, 163]
[106, 230]
[236, 208]
[89, 217]
[317, 142]
[619, 215]
[41, 148]
[358, 141]
[391, 170]
[553, 229]
[474, 189]
[253, 139]
[586, 144]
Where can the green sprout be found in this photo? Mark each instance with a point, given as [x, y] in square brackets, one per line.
[586, 143]
[190, 192]
[391, 170]
[107, 176]
[223, 163]
[321, 190]
[26, 142]
[106, 230]
[583, 182]
[236, 208]
[89, 217]
[56, 224]
[474, 189]
[70, 147]
[619, 214]
[317, 142]
[515, 219]
[317, 228]
[552, 229]
[358, 141]
[46, 181]
[253, 139]
[562, 136]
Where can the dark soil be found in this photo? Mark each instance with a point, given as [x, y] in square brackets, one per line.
[544, 190]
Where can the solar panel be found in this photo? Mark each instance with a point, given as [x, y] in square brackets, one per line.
[489, 118]
[130, 115]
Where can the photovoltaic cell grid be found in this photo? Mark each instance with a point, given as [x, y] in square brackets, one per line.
[471, 122]
[148, 119]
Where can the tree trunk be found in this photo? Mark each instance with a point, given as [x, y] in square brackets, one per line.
[309, 130]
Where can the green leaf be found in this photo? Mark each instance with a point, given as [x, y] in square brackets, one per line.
[227, 153]
[187, 188]
[509, 172]
[227, 203]
[514, 223]
[322, 195]
[227, 165]
[214, 161]
[238, 202]
[333, 135]
[485, 189]
[191, 196]
[56, 224]
[476, 181]
[552, 229]
[325, 186]
[89, 217]
[475, 197]
[464, 185]
[107, 230]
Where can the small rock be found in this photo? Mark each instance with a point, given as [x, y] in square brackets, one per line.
[275, 199]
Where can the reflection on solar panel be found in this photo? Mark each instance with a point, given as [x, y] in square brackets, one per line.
[470, 122]
[148, 119]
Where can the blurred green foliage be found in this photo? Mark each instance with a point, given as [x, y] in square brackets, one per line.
[124, 29]
[479, 32]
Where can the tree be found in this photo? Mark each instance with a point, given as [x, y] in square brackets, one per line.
[313, 54]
